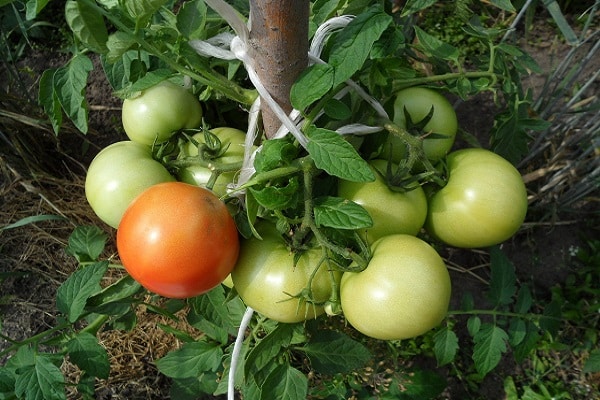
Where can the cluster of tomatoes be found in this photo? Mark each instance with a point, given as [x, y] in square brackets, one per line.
[178, 239]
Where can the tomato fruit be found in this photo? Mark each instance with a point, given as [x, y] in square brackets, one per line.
[178, 240]
[483, 204]
[418, 102]
[266, 278]
[391, 211]
[404, 291]
[119, 173]
[158, 112]
[231, 139]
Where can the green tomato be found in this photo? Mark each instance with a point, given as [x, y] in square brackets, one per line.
[484, 202]
[158, 112]
[418, 102]
[392, 212]
[233, 140]
[117, 175]
[266, 278]
[404, 291]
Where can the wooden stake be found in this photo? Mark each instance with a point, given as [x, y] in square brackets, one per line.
[279, 45]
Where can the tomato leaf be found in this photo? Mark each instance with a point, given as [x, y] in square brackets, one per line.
[311, 85]
[335, 212]
[592, 364]
[278, 197]
[48, 99]
[517, 330]
[529, 343]
[268, 349]
[87, 353]
[503, 278]
[86, 243]
[69, 84]
[285, 382]
[332, 352]
[87, 25]
[191, 19]
[490, 343]
[414, 6]
[432, 46]
[72, 295]
[40, 380]
[191, 360]
[142, 10]
[445, 346]
[333, 154]
[212, 315]
[352, 45]
[504, 5]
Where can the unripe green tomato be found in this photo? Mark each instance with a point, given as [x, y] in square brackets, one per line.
[198, 175]
[418, 102]
[404, 291]
[392, 212]
[484, 202]
[117, 175]
[266, 278]
[159, 111]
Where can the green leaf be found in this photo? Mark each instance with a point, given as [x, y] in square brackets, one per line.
[352, 45]
[445, 346]
[34, 7]
[191, 360]
[87, 25]
[268, 349]
[592, 364]
[517, 330]
[278, 197]
[335, 212]
[87, 353]
[414, 6]
[524, 300]
[72, 295]
[322, 10]
[490, 343]
[86, 243]
[142, 10]
[417, 385]
[312, 84]
[32, 220]
[149, 79]
[529, 343]
[554, 9]
[333, 154]
[473, 325]
[332, 352]
[503, 280]
[41, 380]
[431, 45]
[70, 82]
[337, 109]
[285, 382]
[504, 5]
[118, 43]
[119, 292]
[212, 316]
[191, 19]
[48, 99]
[552, 317]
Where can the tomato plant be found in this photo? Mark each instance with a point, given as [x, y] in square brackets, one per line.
[178, 240]
[229, 155]
[392, 211]
[118, 174]
[279, 283]
[423, 112]
[404, 291]
[484, 202]
[158, 112]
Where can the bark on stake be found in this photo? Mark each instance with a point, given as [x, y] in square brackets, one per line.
[279, 46]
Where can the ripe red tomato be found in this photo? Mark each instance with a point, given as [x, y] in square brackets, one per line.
[178, 240]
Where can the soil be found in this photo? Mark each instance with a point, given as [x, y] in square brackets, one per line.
[44, 174]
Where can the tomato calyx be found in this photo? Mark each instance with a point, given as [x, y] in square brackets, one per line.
[405, 178]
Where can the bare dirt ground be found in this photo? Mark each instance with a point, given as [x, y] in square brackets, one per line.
[43, 175]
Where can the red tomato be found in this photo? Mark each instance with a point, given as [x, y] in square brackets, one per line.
[178, 240]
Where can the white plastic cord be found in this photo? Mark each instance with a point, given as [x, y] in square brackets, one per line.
[237, 348]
